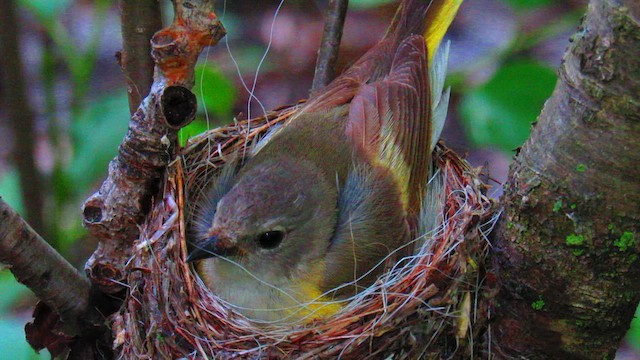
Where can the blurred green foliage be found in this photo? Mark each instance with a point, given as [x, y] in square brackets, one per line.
[96, 134]
[215, 91]
[10, 191]
[45, 9]
[364, 4]
[216, 95]
[529, 4]
[500, 112]
[13, 344]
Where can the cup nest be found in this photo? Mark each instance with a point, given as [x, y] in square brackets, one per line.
[423, 307]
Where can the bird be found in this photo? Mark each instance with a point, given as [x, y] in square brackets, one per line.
[327, 200]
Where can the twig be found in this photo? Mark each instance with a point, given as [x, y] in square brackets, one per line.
[140, 19]
[328, 51]
[37, 265]
[21, 116]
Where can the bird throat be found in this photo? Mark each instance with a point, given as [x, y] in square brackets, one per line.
[269, 300]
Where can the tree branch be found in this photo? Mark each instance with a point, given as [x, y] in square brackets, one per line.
[330, 44]
[566, 246]
[21, 116]
[114, 212]
[37, 265]
[140, 19]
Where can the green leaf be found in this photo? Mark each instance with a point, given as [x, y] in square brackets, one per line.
[214, 90]
[97, 134]
[10, 191]
[196, 127]
[529, 4]
[247, 59]
[366, 4]
[45, 9]
[500, 112]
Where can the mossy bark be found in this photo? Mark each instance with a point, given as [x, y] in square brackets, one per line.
[566, 245]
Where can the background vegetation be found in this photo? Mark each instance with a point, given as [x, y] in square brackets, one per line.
[502, 69]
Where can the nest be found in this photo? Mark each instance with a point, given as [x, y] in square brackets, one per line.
[423, 307]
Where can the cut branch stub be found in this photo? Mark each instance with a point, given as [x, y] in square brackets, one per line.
[179, 106]
[115, 211]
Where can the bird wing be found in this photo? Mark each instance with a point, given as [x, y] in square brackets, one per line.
[371, 224]
[390, 120]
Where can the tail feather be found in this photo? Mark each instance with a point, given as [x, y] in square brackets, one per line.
[439, 96]
[438, 20]
[429, 18]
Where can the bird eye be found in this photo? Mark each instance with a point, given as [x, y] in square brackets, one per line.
[270, 239]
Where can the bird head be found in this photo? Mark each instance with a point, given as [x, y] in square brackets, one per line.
[276, 218]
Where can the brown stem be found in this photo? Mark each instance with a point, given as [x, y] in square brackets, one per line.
[140, 20]
[115, 211]
[566, 247]
[21, 116]
[37, 265]
[330, 44]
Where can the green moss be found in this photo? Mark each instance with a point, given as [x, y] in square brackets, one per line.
[581, 168]
[509, 225]
[575, 240]
[538, 304]
[577, 252]
[573, 206]
[557, 206]
[626, 241]
[611, 227]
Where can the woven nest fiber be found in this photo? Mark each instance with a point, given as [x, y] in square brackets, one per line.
[423, 307]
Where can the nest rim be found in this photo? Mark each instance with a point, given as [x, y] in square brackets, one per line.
[431, 290]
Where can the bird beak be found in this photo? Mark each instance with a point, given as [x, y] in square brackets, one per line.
[212, 246]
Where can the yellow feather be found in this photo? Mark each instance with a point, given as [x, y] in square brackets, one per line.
[438, 20]
[315, 305]
[391, 157]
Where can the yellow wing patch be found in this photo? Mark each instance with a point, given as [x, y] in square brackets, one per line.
[392, 158]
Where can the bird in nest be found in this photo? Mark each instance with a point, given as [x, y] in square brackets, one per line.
[324, 201]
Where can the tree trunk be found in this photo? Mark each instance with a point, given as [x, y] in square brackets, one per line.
[20, 112]
[565, 250]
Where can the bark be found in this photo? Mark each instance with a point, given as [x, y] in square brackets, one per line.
[21, 116]
[330, 44]
[566, 246]
[115, 211]
[37, 265]
[140, 19]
